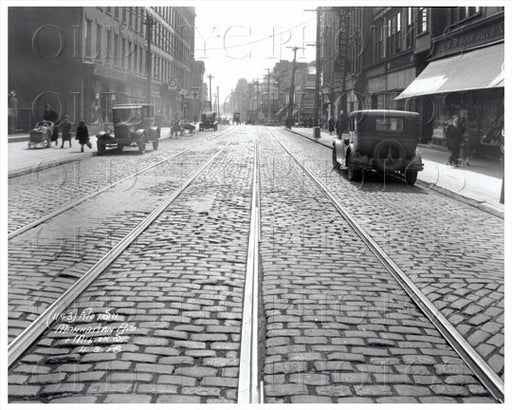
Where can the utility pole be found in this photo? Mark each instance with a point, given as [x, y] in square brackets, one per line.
[257, 101]
[316, 129]
[292, 87]
[210, 88]
[218, 103]
[149, 22]
[268, 95]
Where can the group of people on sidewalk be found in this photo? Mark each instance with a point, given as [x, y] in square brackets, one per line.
[82, 133]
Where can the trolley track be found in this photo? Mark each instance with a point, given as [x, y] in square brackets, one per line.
[73, 203]
[492, 382]
[215, 329]
[178, 310]
[57, 257]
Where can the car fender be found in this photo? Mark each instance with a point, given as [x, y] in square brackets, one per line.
[337, 146]
[140, 132]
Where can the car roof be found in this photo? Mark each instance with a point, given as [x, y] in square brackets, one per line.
[391, 113]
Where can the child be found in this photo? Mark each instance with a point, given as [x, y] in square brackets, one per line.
[66, 131]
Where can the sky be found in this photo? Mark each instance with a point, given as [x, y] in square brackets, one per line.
[244, 40]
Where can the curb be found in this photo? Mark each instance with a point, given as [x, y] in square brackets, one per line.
[46, 165]
[482, 205]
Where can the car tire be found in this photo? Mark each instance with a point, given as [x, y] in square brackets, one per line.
[411, 177]
[353, 173]
[155, 145]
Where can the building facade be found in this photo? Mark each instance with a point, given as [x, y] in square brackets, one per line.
[82, 60]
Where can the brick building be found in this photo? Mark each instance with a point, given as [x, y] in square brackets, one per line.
[437, 61]
[82, 60]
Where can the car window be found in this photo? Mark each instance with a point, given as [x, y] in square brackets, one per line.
[389, 124]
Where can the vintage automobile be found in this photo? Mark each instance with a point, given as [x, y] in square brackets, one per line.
[208, 121]
[236, 118]
[134, 126]
[40, 135]
[381, 140]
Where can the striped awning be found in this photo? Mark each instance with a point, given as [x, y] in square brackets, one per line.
[474, 70]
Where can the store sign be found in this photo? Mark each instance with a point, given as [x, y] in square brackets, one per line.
[454, 42]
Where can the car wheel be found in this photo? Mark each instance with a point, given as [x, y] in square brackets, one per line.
[389, 155]
[101, 149]
[155, 145]
[411, 177]
[353, 172]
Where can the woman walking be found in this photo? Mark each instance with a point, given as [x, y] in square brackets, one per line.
[82, 135]
[454, 135]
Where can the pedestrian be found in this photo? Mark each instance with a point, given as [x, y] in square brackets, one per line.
[51, 115]
[13, 112]
[331, 125]
[66, 131]
[454, 137]
[340, 125]
[82, 135]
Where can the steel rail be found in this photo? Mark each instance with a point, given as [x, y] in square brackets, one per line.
[492, 382]
[25, 339]
[248, 384]
[59, 211]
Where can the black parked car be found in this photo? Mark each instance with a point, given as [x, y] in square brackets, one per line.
[381, 140]
[134, 126]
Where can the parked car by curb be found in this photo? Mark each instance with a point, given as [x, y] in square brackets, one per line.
[134, 126]
[381, 140]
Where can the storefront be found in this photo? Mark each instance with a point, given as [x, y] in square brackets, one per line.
[470, 84]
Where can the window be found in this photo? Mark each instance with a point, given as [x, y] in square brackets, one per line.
[123, 50]
[422, 20]
[98, 41]
[389, 124]
[109, 46]
[108, 10]
[88, 34]
[130, 17]
[116, 50]
[116, 13]
[130, 55]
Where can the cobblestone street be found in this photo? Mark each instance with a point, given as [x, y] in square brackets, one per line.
[162, 322]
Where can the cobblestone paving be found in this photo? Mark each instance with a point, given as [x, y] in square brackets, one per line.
[46, 261]
[35, 195]
[338, 327]
[175, 299]
[453, 252]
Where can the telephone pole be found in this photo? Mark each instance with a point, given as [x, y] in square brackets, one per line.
[316, 129]
[218, 102]
[149, 22]
[268, 94]
[257, 101]
[210, 88]
[292, 87]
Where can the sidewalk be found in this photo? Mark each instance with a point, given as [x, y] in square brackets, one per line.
[22, 160]
[478, 185]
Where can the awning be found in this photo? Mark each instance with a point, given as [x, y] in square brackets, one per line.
[473, 70]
